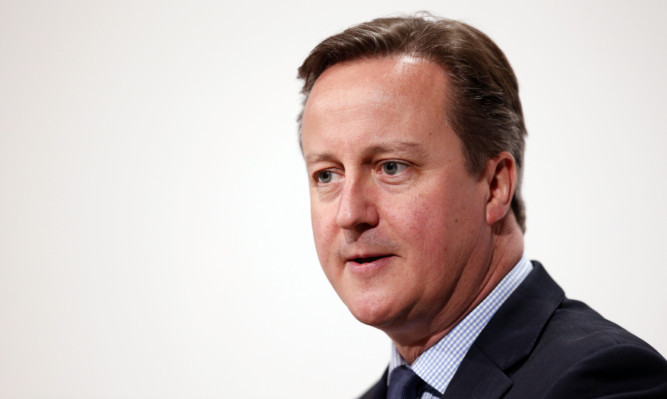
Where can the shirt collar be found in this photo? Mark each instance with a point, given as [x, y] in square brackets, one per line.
[438, 364]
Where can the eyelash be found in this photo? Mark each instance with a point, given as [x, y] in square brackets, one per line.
[402, 166]
[317, 176]
[332, 174]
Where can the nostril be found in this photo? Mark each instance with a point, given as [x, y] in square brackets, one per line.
[361, 227]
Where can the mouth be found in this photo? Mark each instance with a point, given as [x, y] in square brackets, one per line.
[369, 264]
[368, 259]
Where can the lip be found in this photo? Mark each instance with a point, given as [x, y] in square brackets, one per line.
[368, 263]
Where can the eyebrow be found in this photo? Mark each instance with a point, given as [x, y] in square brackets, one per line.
[413, 148]
[322, 157]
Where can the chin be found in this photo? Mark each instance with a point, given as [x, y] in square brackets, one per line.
[372, 310]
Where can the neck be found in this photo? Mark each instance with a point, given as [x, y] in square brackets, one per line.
[507, 249]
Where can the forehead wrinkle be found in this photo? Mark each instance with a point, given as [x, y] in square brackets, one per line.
[413, 148]
[338, 100]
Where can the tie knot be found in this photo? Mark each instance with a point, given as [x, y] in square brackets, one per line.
[403, 384]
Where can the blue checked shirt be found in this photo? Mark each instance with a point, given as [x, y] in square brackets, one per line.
[438, 364]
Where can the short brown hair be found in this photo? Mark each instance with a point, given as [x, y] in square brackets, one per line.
[485, 109]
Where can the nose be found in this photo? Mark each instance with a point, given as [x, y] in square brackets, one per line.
[357, 209]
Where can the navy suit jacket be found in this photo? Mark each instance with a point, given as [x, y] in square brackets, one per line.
[540, 344]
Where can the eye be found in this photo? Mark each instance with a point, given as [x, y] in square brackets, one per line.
[392, 168]
[324, 177]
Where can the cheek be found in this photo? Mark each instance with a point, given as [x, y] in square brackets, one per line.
[428, 231]
[422, 215]
[430, 224]
[323, 232]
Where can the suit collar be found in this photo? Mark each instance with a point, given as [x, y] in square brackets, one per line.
[508, 338]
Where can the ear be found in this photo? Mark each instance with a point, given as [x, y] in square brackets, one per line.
[501, 178]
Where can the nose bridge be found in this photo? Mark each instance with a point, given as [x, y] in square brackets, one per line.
[356, 202]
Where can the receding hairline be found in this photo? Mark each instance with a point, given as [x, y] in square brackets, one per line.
[408, 56]
[411, 58]
[484, 107]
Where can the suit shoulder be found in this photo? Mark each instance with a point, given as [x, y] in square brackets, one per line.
[575, 327]
[621, 370]
[581, 354]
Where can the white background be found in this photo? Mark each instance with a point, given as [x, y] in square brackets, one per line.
[154, 227]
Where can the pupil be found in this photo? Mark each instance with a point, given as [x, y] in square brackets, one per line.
[390, 167]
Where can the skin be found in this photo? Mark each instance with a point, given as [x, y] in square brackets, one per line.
[409, 240]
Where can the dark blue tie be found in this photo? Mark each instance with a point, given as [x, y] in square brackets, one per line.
[403, 384]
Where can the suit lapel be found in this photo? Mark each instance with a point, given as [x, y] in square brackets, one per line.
[508, 339]
[478, 377]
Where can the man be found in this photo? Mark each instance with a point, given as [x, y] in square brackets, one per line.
[413, 136]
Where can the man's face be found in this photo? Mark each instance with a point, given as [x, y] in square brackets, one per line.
[399, 224]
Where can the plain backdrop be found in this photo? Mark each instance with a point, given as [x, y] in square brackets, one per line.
[155, 237]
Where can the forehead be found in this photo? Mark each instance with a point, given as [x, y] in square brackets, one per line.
[386, 77]
[374, 100]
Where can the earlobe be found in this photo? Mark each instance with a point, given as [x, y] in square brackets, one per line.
[501, 176]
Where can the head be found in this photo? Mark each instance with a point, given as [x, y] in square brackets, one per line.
[484, 106]
[412, 184]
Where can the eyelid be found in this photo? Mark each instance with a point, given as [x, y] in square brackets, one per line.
[404, 173]
[404, 164]
[335, 172]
